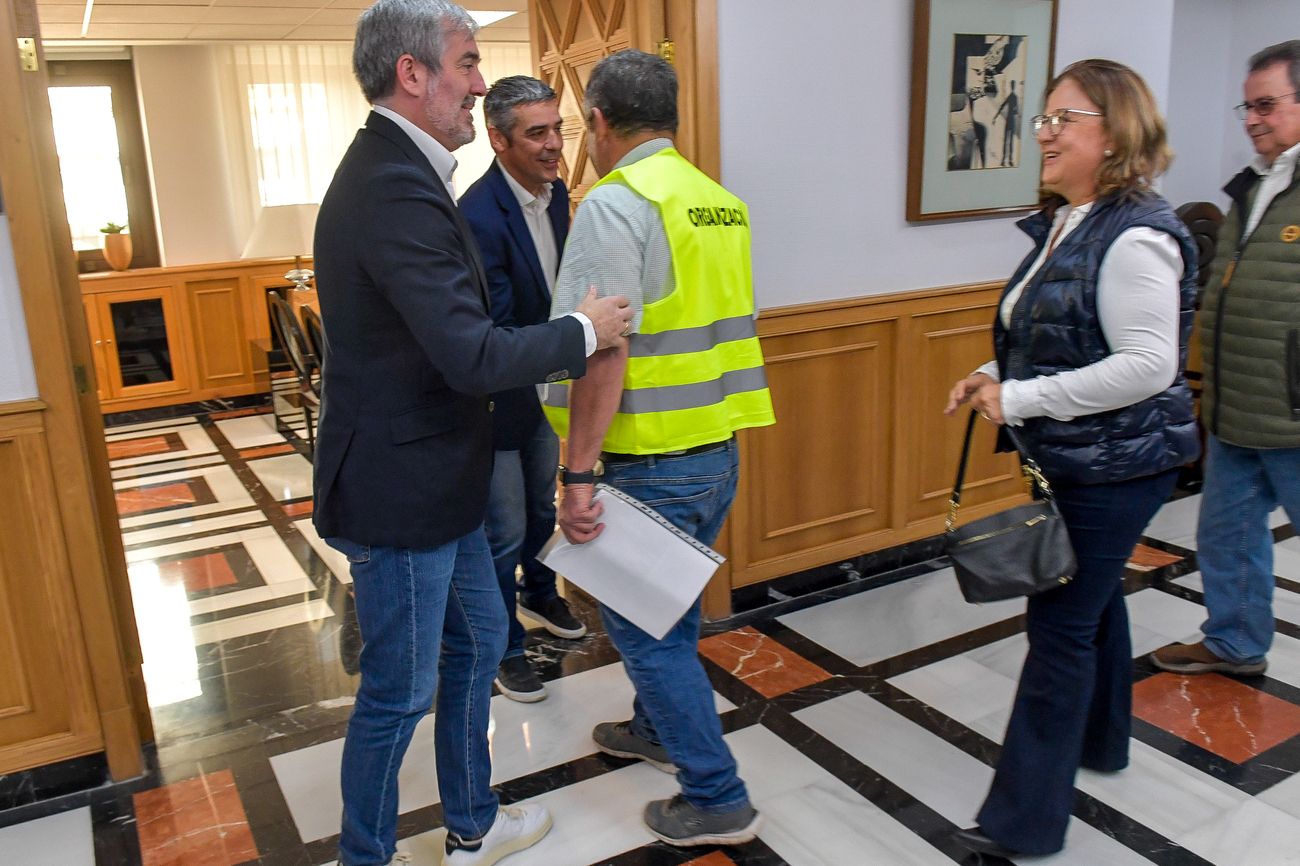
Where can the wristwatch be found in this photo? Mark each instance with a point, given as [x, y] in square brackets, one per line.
[569, 476]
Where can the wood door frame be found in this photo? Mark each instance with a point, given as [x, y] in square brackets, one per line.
[61, 355]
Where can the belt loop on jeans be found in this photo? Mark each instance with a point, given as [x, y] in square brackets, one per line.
[651, 459]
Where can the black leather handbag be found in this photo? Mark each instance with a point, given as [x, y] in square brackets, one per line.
[1023, 551]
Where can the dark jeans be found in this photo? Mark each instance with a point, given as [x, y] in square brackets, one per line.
[432, 622]
[674, 698]
[520, 520]
[1074, 704]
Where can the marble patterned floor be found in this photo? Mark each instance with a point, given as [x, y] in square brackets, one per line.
[866, 719]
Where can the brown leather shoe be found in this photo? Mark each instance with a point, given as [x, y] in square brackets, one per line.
[1197, 658]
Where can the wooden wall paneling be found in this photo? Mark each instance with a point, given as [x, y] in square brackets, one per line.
[47, 708]
[53, 306]
[216, 313]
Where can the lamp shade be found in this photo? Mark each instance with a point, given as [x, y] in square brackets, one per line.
[282, 230]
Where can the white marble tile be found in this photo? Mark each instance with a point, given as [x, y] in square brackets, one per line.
[149, 469]
[226, 488]
[286, 476]
[276, 564]
[1005, 657]
[525, 738]
[1284, 660]
[1168, 616]
[885, 622]
[1175, 522]
[193, 527]
[1285, 795]
[337, 562]
[143, 554]
[1278, 518]
[250, 431]
[1286, 604]
[262, 621]
[937, 773]
[195, 442]
[1253, 833]
[964, 690]
[58, 840]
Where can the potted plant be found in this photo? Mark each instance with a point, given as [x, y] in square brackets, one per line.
[117, 246]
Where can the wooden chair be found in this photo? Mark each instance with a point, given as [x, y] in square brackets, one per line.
[302, 360]
[315, 331]
[1203, 219]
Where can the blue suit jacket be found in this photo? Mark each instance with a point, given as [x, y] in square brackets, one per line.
[515, 282]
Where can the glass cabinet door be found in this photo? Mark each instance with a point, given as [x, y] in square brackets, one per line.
[141, 338]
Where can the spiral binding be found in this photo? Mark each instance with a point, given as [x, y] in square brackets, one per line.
[662, 521]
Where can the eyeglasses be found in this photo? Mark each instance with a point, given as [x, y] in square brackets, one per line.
[1056, 121]
[1263, 106]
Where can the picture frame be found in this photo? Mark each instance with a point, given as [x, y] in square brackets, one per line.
[979, 72]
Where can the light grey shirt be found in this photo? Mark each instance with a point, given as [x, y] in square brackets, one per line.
[539, 225]
[1137, 308]
[1276, 177]
[618, 244]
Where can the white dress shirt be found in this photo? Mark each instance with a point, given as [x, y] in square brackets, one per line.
[539, 225]
[444, 165]
[1277, 177]
[1137, 308]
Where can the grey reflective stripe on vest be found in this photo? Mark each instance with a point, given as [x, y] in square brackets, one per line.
[672, 397]
[686, 340]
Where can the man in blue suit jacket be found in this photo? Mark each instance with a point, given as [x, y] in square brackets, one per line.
[519, 214]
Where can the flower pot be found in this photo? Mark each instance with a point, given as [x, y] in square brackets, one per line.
[117, 251]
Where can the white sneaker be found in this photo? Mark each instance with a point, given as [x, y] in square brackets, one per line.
[516, 828]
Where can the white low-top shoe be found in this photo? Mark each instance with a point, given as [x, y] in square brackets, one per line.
[516, 828]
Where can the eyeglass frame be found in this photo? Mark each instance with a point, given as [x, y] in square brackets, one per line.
[1243, 110]
[1057, 120]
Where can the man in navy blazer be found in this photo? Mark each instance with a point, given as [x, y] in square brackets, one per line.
[404, 451]
[519, 213]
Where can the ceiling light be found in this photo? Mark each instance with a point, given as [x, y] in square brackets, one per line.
[485, 18]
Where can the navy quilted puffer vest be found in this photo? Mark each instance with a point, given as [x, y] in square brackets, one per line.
[1054, 327]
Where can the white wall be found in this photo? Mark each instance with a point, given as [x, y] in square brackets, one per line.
[180, 105]
[814, 137]
[17, 376]
[1256, 24]
[1200, 100]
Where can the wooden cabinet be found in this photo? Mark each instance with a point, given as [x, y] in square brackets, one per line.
[164, 336]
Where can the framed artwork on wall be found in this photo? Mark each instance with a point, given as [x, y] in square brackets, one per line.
[979, 69]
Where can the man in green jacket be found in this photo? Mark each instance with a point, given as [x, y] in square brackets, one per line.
[1250, 320]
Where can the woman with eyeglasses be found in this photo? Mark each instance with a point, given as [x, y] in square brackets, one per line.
[1090, 340]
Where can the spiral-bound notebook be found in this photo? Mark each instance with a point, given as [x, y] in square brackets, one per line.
[641, 566]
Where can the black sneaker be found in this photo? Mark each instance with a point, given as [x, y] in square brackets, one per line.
[617, 739]
[678, 822]
[517, 681]
[554, 613]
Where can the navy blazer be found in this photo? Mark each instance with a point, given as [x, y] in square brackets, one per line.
[515, 282]
[404, 448]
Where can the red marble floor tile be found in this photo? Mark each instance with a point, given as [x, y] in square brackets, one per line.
[143, 445]
[297, 509]
[266, 451]
[1149, 559]
[717, 858]
[761, 662]
[197, 822]
[200, 573]
[1219, 714]
[133, 500]
[239, 413]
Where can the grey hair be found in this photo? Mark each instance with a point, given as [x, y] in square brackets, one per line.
[636, 91]
[391, 28]
[1284, 52]
[507, 94]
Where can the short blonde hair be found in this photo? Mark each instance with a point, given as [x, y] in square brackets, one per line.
[1136, 128]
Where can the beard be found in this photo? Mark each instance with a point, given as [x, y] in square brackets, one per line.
[448, 120]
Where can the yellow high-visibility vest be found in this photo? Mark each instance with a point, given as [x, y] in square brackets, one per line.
[695, 369]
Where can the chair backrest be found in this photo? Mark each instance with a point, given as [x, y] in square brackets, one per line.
[293, 340]
[1203, 219]
[315, 330]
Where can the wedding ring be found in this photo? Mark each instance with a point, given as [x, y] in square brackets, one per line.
[627, 330]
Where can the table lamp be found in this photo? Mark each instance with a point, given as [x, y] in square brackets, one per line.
[285, 230]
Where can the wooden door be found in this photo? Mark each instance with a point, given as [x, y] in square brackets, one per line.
[222, 359]
[144, 347]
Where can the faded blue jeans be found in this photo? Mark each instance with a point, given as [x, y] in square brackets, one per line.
[520, 520]
[674, 698]
[1234, 546]
[432, 623]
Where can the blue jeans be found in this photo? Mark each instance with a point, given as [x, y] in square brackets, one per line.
[1074, 703]
[520, 519]
[1234, 546]
[674, 698]
[432, 623]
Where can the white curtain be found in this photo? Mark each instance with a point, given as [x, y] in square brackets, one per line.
[291, 110]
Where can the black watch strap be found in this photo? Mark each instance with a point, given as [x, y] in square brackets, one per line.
[569, 476]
